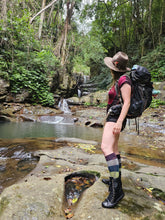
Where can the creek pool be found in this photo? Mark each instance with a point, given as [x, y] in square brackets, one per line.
[11, 130]
[18, 141]
[16, 152]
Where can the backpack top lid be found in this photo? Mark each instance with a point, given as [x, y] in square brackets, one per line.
[140, 74]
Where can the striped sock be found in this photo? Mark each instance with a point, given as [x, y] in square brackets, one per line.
[113, 165]
[119, 159]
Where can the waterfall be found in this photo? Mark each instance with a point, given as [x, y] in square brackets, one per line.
[85, 78]
[63, 106]
[79, 93]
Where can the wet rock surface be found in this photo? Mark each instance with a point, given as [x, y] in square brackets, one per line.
[4, 85]
[40, 194]
[15, 112]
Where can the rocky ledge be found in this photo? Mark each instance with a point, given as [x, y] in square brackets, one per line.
[40, 194]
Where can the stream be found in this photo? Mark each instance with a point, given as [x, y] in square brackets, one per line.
[34, 130]
[19, 140]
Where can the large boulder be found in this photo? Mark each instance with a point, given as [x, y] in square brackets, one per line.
[99, 97]
[4, 85]
[25, 112]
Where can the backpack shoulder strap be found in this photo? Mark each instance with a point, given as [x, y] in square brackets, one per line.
[118, 89]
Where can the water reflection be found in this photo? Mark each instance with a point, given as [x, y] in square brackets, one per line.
[16, 157]
[16, 161]
[31, 129]
[57, 120]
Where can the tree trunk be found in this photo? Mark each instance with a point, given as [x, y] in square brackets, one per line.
[161, 24]
[41, 19]
[60, 49]
[70, 7]
[150, 22]
[42, 11]
[50, 15]
[4, 10]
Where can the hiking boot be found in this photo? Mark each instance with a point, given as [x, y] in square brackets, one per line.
[115, 195]
[107, 181]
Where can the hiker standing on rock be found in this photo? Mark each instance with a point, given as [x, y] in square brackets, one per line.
[115, 123]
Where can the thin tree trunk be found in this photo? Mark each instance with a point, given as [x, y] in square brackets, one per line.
[67, 23]
[65, 36]
[23, 4]
[150, 22]
[50, 15]
[4, 10]
[48, 6]
[41, 19]
[61, 45]
[161, 24]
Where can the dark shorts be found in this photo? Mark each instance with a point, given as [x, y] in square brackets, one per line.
[113, 118]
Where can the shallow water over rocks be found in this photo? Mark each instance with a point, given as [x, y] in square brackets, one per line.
[143, 158]
[147, 148]
[40, 194]
[16, 161]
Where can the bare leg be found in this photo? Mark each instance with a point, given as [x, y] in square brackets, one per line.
[109, 147]
[109, 140]
[116, 151]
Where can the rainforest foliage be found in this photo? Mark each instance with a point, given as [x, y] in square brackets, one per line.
[39, 38]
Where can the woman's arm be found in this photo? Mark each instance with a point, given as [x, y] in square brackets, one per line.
[126, 96]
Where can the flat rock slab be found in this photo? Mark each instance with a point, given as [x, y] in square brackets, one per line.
[39, 196]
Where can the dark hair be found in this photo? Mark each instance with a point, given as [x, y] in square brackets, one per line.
[116, 75]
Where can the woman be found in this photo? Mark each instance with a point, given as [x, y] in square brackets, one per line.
[115, 123]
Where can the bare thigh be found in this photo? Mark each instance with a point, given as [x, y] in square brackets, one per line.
[109, 143]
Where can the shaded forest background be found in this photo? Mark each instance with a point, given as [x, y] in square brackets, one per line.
[45, 45]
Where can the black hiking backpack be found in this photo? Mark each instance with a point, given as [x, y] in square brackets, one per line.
[142, 91]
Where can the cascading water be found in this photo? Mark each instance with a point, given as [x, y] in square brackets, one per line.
[63, 106]
[59, 119]
[51, 119]
[79, 93]
[85, 78]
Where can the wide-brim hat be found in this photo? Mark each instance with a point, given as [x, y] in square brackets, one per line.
[118, 62]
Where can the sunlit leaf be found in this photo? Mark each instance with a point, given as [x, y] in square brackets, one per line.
[74, 200]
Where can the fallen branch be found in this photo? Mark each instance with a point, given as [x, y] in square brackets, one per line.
[48, 6]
